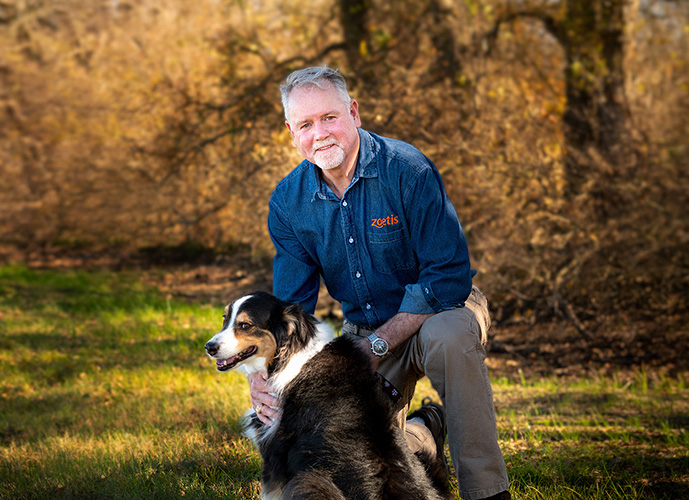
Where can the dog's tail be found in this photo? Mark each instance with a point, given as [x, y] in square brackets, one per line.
[312, 485]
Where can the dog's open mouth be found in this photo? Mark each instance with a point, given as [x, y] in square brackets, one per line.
[229, 363]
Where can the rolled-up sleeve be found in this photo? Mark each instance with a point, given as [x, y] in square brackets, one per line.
[440, 245]
[295, 275]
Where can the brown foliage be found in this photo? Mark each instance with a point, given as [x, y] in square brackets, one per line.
[127, 125]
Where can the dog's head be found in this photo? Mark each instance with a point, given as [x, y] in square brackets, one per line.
[256, 329]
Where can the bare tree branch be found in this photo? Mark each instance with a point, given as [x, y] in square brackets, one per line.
[552, 25]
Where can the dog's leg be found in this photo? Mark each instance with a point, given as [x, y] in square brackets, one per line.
[436, 470]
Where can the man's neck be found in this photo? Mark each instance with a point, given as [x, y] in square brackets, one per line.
[339, 178]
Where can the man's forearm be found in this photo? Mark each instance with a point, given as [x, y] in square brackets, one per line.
[401, 327]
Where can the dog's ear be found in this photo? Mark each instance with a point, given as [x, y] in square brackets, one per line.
[226, 316]
[299, 324]
[292, 317]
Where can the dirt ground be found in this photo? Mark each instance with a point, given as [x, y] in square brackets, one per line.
[515, 349]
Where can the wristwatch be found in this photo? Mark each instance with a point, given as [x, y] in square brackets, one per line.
[378, 346]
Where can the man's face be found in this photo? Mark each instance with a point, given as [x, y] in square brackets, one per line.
[323, 127]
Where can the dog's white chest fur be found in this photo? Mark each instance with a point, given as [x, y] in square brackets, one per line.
[324, 334]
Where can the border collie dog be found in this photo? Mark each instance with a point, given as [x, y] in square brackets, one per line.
[336, 438]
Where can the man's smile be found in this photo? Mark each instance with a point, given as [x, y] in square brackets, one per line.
[325, 148]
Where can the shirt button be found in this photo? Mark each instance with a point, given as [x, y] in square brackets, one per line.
[344, 203]
[358, 274]
[368, 306]
[351, 240]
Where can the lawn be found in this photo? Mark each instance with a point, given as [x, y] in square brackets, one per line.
[105, 392]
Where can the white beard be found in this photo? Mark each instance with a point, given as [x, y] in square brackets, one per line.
[332, 158]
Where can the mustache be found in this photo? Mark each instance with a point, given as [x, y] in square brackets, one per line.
[318, 147]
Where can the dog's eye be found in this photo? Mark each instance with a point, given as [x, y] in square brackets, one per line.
[244, 325]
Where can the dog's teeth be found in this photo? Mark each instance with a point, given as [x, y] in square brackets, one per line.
[224, 362]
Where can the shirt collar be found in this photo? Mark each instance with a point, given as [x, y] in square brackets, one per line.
[366, 167]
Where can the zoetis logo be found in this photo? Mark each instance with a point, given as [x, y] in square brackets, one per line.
[390, 220]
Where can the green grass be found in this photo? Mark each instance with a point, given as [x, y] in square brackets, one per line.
[596, 437]
[105, 392]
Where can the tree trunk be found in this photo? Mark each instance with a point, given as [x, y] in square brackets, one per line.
[595, 118]
[447, 64]
[353, 18]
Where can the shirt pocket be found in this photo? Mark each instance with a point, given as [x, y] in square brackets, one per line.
[390, 251]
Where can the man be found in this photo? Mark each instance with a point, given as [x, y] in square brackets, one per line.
[370, 217]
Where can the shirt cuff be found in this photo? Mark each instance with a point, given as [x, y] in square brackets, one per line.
[419, 299]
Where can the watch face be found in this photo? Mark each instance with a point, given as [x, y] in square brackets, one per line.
[380, 347]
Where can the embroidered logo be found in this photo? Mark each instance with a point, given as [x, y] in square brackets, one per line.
[390, 220]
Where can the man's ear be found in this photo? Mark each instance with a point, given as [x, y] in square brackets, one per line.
[290, 132]
[354, 112]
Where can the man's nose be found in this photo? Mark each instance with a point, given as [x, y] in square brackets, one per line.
[322, 130]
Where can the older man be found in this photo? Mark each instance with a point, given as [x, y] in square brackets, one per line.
[370, 217]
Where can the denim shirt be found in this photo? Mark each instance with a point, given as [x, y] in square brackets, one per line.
[393, 243]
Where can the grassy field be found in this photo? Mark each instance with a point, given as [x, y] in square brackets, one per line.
[105, 392]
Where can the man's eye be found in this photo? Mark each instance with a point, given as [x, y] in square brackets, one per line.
[305, 126]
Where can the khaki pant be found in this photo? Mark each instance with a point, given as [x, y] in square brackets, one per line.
[449, 350]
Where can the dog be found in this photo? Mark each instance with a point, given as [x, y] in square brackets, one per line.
[336, 438]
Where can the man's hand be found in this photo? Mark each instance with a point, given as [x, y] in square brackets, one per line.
[264, 403]
[365, 346]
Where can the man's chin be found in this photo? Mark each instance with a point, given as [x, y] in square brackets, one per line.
[329, 160]
[328, 166]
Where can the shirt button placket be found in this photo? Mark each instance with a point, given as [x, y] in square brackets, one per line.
[351, 238]
[360, 286]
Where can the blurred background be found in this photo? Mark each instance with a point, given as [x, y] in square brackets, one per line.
[559, 126]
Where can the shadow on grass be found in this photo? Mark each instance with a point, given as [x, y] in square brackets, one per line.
[57, 357]
[74, 292]
[224, 475]
[608, 474]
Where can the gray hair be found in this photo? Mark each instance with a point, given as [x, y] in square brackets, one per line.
[320, 76]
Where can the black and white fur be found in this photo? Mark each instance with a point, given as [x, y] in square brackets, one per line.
[337, 438]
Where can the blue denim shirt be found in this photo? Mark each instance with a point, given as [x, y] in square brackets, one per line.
[393, 243]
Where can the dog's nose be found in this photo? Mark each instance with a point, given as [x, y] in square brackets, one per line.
[211, 348]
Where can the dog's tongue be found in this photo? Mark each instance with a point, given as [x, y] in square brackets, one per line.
[228, 363]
